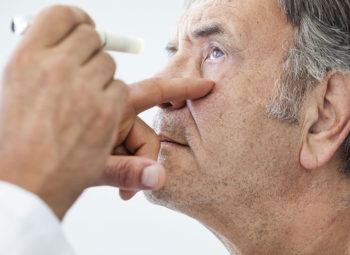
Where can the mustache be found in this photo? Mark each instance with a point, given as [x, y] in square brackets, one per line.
[171, 123]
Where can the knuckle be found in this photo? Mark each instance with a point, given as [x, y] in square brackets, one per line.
[109, 62]
[86, 30]
[127, 175]
[89, 34]
[60, 10]
[66, 16]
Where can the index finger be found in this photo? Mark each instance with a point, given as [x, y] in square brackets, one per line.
[149, 93]
[53, 24]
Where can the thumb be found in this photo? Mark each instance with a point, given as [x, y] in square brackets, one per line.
[133, 173]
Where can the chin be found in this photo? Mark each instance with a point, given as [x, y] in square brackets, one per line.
[177, 161]
[186, 188]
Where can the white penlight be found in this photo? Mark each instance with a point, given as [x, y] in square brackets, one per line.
[109, 41]
[120, 43]
[20, 24]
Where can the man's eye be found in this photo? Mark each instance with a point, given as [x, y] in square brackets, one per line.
[171, 50]
[215, 54]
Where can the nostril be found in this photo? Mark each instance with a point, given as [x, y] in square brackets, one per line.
[175, 105]
[165, 105]
[178, 104]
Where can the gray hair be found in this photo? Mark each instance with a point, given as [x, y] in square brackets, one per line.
[321, 45]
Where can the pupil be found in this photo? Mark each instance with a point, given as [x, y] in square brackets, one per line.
[217, 53]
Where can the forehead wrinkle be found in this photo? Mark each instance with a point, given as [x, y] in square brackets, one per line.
[211, 2]
[235, 27]
[239, 19]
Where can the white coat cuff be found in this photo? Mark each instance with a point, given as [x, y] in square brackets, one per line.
[27, 225]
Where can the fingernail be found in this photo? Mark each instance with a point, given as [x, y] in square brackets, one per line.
[150, 176]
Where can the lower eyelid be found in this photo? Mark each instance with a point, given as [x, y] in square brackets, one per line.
[212, 63]
[218, 61]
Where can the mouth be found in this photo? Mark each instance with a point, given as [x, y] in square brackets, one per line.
[167, 140]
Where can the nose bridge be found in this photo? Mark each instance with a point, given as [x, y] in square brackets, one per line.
[180, 66]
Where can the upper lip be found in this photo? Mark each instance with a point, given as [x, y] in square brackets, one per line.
[166, 138]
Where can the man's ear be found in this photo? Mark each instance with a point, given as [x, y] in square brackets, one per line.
[327, 121]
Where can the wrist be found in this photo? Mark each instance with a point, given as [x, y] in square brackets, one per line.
[58, 200]
[57, 196]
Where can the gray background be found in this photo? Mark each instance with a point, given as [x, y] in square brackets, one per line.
[100, 223]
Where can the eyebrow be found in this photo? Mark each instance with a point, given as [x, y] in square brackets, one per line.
[208, 30]
[203, 31]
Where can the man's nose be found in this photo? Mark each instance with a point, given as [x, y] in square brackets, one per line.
[180, 67]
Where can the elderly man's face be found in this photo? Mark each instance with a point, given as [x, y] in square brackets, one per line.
[229, 155]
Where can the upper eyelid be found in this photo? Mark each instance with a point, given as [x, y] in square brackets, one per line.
[213, 45]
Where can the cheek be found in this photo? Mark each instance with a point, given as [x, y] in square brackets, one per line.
[230, 122]
[239, 143]
[212, 72]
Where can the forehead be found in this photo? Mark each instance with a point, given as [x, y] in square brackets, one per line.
[244, 16]
[259, 7]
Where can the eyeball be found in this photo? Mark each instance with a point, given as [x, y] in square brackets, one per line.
[216, 54]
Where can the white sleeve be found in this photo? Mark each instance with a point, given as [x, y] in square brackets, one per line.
[28, 226]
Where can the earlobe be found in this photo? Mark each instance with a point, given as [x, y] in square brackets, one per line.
[327, 121]
[308, 159]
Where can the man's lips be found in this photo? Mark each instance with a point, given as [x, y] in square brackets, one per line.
[164, 138]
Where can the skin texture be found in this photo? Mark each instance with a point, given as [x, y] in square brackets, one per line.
[261, 185]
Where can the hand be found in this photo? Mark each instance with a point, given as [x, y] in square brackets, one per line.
[133, 168]
[60, 108]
